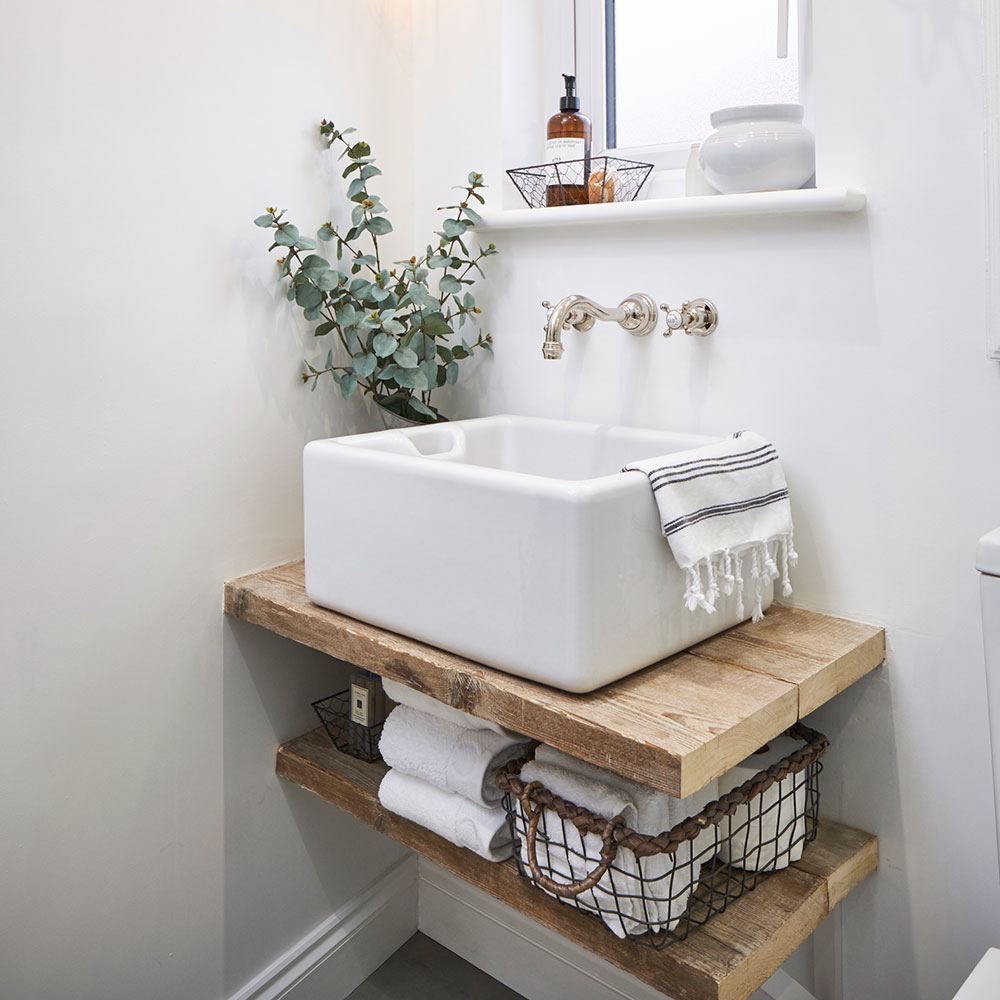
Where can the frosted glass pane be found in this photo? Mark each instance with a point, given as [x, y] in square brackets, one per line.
[677, 61]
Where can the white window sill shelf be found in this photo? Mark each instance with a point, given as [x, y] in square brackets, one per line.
[806, 201]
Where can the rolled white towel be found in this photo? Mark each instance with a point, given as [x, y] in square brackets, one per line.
[655, 811]
[668, 879]
[569, 857]
[466, 824]
[447, 756]
[768, 833]
[403, 695]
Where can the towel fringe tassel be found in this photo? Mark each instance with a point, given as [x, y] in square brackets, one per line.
[721, 574]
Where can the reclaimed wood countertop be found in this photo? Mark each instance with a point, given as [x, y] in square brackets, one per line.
[675, 725]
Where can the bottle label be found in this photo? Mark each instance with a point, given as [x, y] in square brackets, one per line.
[559, 150]
[359, 704]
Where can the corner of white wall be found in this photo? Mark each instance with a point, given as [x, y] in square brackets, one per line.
[342, 951]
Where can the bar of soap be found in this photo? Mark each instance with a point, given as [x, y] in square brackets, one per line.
[601, 186]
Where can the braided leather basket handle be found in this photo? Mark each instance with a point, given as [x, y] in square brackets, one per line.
[567, 890]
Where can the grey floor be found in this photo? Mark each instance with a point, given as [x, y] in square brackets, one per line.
[423, 970]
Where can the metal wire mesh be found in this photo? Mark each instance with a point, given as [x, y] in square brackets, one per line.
[660, 896]
[347, 736]
[580, 182]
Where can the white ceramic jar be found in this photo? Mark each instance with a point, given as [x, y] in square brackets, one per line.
[761, 147]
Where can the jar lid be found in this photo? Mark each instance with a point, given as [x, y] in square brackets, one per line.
[758, 113]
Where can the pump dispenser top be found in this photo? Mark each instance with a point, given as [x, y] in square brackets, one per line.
[569, 101]
[567, 141]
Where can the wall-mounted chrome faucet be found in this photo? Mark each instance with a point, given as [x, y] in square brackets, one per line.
[637, 314]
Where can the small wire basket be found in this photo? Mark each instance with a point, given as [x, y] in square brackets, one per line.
[591, 181]
[659, 888]
[347, 736]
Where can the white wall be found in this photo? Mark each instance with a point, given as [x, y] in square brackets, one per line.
[152, 430]
[857, 344]
[153, 426]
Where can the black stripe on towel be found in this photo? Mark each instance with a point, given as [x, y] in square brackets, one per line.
[708, 461]
[699, 473]
[737, 507]
[725, 507]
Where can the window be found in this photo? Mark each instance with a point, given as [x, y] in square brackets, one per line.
[652, 71]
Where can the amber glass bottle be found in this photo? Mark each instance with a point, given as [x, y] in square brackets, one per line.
[568, 138]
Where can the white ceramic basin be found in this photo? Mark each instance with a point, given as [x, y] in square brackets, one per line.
[513, 541]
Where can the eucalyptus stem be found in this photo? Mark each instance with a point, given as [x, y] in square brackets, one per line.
[458, 215]
[378, 259]
[395, 331]
[353, 250]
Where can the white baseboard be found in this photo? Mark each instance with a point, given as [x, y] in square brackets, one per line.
[527, 957]
[340, 953]
[335, 957]
[781, 986]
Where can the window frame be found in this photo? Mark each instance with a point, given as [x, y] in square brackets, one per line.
[591, 56]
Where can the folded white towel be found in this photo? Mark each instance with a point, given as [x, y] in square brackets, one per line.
[719, 505]
[448, 756]
[768, 833]
[451, 816]
[403, 695]
[668, 879]
[565, 856]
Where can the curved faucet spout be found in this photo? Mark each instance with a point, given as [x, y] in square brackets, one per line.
[637, 314]
[576, 311]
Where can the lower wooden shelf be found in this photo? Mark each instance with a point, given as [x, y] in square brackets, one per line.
[727, 959]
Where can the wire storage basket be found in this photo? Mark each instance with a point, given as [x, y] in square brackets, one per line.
[658, 888]
[354, 729]
[591, 181]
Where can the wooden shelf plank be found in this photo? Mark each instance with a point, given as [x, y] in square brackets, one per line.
[727, 959]
[674, 726]
[819, 654]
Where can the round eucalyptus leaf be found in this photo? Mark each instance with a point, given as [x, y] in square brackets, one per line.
[308, 296]
[364, 365]
[383, 344]
[347, 385]
[286, 235]
[405, 358]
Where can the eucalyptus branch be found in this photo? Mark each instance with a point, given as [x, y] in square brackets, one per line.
[395, 332]
[461, 206]
[344, 242]
[468, 267]
[332, 318]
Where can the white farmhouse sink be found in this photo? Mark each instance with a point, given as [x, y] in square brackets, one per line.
[513, 541]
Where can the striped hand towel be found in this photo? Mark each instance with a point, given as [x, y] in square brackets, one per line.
[724, 508]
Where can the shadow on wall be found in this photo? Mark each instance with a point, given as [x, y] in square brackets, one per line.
[863, 742]
[278, 341]
[763, 358]
[290, 858]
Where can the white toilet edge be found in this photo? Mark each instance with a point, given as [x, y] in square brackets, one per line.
[984, 981]
[988, 553]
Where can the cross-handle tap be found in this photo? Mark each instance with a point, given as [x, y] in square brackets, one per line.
[637, 314]
[698, 318]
